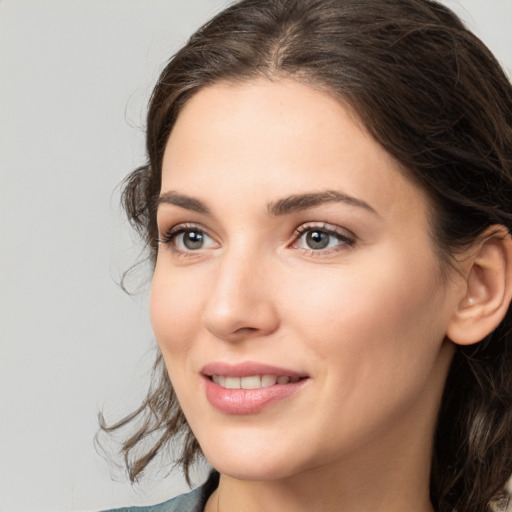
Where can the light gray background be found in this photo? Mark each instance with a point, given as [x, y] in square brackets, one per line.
[75, 76]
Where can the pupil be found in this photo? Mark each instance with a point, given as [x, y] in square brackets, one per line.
[193, 240]
[317, 240]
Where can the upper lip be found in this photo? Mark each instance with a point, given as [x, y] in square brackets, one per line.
[247, 369]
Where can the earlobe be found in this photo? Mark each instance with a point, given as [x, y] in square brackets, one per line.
[488, 273]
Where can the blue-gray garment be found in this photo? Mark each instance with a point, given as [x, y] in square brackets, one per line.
[193, 501]
[190, 502]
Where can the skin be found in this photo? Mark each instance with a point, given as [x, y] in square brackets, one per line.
[365, 319]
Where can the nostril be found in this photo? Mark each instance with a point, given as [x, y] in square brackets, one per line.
[246, 330]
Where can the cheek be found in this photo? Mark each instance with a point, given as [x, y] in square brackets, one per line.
[373, 317]
[174, 309]
[375, 337]
[175, 321]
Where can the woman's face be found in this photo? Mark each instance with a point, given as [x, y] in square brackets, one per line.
[296, 298]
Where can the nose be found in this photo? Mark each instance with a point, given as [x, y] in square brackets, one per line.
[241, 304]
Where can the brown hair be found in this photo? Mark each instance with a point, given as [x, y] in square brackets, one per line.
[436, 99]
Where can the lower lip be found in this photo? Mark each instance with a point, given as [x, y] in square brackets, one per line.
[248, 401]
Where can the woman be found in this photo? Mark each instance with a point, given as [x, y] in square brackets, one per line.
[327, 204]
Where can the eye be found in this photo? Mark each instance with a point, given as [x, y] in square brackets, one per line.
[187, 239]
[321, 238]
[191, 240]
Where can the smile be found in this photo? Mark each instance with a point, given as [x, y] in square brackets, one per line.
[252, 381]
[250, 387]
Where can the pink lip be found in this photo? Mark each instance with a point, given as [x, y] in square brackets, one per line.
[247, 368]
[248, 401]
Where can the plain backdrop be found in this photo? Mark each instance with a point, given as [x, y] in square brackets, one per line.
[75, 76]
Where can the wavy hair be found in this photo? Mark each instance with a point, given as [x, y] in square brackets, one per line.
[433, 95]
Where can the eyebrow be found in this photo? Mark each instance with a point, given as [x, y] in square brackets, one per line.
[301, 202]
[183, 201]
[283, 206]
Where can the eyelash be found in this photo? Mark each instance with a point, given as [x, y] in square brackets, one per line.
[169, 238]
[342, 237]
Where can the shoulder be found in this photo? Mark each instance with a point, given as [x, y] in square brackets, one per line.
[193, 501]
[189, 502]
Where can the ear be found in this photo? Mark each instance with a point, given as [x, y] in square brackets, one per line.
[488, 291]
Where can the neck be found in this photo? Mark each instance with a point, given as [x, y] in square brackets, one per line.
[357, 488]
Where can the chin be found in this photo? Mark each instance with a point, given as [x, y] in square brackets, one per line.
[255, 471]
[252, 459]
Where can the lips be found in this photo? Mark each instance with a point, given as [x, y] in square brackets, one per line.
[252, 381]
[248, 388]
[248, 369]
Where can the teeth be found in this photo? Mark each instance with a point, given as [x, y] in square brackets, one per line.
[220, 380]
[268, 380]
[232, 383]
[252, 381]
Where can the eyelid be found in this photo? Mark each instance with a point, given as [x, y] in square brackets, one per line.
[166, 237]
[345, 237]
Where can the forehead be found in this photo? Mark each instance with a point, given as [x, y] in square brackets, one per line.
[268, 135]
